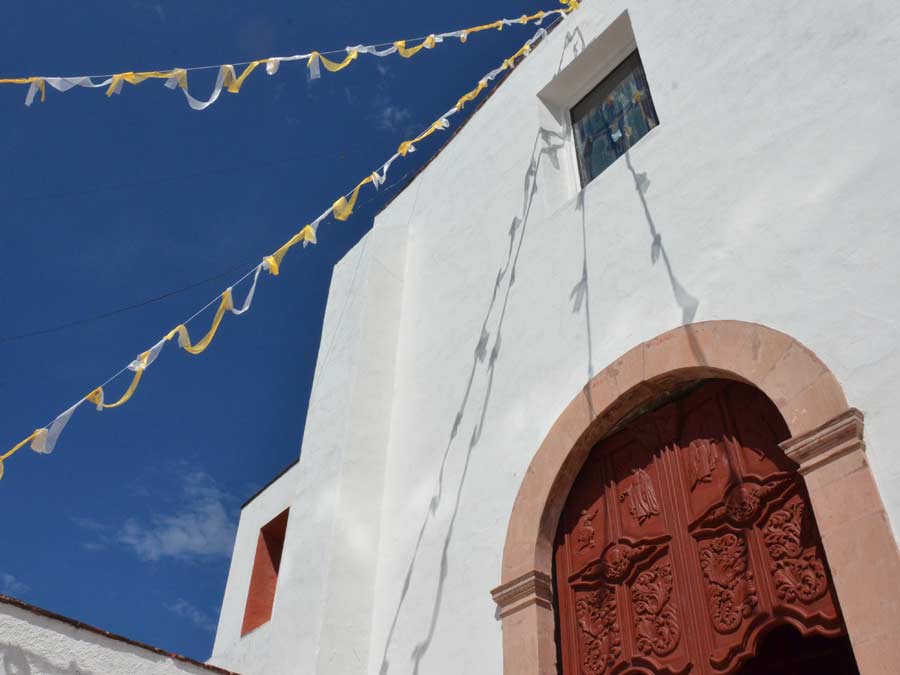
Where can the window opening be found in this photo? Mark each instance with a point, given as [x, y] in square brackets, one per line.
[264, 578]
[614, 116]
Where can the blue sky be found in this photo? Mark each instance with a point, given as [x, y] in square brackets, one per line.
[129, 524]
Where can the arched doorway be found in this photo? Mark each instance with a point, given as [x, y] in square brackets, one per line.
[826, 442]
[686, 537]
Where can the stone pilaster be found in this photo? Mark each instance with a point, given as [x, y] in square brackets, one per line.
[856, 535]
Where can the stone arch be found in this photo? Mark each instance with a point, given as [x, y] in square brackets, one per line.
[826, 440]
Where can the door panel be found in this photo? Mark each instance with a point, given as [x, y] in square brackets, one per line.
[686, 536]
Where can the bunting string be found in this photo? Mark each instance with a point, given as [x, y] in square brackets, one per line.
[177, 78]
[44, 440]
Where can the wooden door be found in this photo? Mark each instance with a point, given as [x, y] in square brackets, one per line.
[686, 537]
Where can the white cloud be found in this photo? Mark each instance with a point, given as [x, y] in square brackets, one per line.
[196, 616]
[10, 585]
[154, 7]
[201, 527]
[97, 531]
[89, 524]
[392, 117]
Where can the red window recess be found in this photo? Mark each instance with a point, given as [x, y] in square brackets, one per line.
[263, 580]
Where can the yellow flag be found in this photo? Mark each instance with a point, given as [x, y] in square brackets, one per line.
[233, 84]
[137, 78]
[28, 80]
[343, 207]
[273, 262]
[407, 52]
[18, 446]
[334, 66]
[472, 95]
[96, 396]
[184, 338]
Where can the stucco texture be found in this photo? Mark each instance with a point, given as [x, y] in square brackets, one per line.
[35, 643]
[494, 288]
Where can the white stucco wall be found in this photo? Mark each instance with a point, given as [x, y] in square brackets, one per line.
[263, 508]
[34, 644]
[323, 602]
[492, 289]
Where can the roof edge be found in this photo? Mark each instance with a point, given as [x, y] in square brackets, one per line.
[20, 604]
[270, 483]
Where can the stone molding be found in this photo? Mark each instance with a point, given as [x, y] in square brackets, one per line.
[802, 387]
[533, 588]
[827, 443]
[823, 445]
[856, 536]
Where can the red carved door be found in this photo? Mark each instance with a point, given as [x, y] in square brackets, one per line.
[686, 537]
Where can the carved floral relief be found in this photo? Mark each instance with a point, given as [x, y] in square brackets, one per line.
[656, 621]
[599, 625]
[618, 559]
[796, 570]
[744, 501]
[735, 552]
[730, 590]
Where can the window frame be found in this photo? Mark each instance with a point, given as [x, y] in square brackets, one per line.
[607, 84]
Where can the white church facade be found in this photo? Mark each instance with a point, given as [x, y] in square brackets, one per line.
[607, 387]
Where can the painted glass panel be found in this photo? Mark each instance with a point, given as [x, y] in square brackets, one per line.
[612, 118]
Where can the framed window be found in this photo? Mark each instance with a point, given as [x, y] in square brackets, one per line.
[614, 116]
[264, 578]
